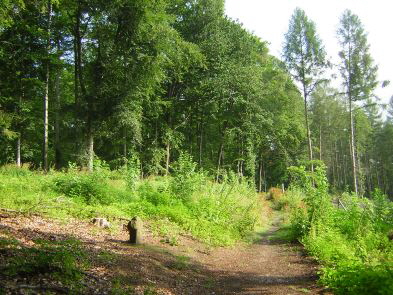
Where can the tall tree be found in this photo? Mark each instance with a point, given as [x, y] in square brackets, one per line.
[46, 96]
[304, 55]
[358, 72]
[390, 110]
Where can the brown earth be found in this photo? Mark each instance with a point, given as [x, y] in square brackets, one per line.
[268, 266]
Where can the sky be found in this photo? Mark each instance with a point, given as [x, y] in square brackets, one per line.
[269, 20]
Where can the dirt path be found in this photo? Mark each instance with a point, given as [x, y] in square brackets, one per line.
[267, 267]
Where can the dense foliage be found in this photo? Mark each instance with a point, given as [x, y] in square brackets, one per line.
[144, 81]
[348, 235]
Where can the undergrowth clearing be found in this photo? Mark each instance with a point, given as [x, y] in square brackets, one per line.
[218, 214]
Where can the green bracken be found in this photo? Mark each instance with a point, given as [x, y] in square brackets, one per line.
[350, 240]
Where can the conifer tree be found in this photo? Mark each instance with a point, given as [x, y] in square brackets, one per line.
[304, 55]
[358, 73]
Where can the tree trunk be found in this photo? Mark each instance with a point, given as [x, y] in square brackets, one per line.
[360, 181]
[335, 159]
[241, 161]
[320, 142]
[90, 147]
[125, 144]
[80, 82]
[200, 143]
[168, 155]
[78, 55]
[57, 117]
[352, 147]
[260, 176]
[76, 75]
[46, 97]
[219, 161]
[310, 155]
[18, 141]
[18, 160]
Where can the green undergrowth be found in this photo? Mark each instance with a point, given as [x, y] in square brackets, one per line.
[62, 261]
[351, 241]
[55, 267]
[188, 201]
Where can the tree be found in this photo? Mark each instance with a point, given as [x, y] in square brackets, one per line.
[357, 71]
[46, 96]
[328, 116]
[390, 110]
[304, 55]
[144, 79]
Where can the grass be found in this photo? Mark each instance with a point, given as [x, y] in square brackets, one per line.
[189, 202]
[284, 234]
[216, 213]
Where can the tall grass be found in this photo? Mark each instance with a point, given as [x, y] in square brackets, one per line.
[189, 201]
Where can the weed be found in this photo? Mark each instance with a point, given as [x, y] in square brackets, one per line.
[150, 290]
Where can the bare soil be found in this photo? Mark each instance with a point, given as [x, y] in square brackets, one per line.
[269, 266]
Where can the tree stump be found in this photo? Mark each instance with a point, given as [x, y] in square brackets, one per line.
[135, 229]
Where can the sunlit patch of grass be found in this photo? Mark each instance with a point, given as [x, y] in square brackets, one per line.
[284, 234]
[215, 213]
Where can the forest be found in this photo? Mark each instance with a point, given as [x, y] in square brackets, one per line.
[172, 111]
[123, 81]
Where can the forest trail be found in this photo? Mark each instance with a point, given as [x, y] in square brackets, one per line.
[269, 266]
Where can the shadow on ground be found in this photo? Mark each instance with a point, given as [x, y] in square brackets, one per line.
[127, 267]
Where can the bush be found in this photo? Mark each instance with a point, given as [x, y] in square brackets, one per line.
[186, 179]
[90, 188]
[275, 194]
[354, 277]
[216, 213]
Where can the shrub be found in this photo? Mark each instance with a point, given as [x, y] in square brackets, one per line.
[186, 179]
[90, 188]
[216, 213]
[155, 196]
[354, 277]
